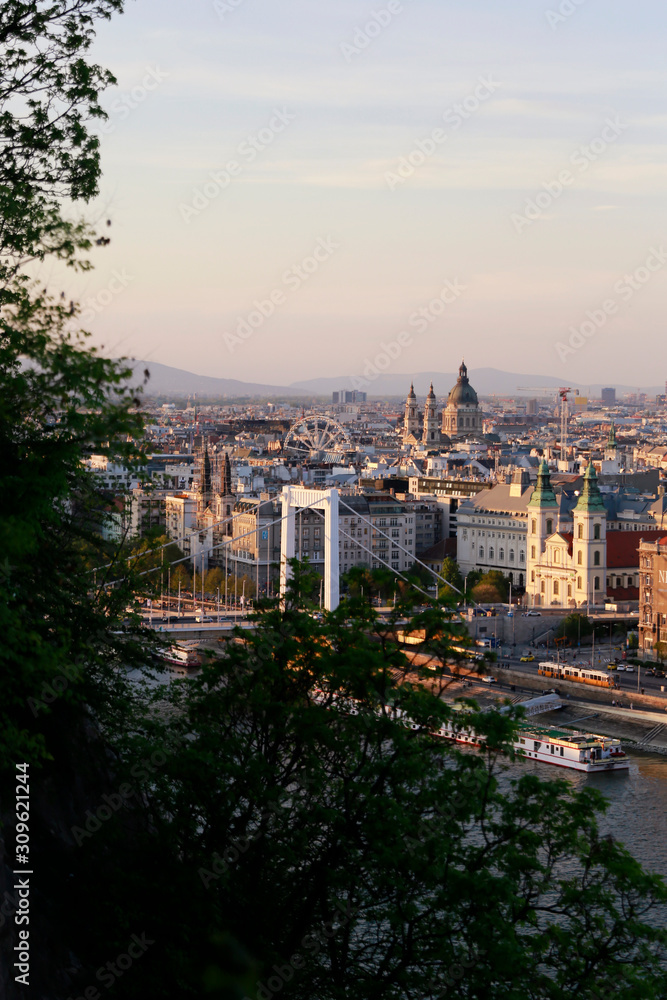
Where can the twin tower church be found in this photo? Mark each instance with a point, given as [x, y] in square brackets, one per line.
[460, 418]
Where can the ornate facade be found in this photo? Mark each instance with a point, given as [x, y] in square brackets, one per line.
[461, 416]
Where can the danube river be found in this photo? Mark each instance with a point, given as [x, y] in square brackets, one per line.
[637, 813]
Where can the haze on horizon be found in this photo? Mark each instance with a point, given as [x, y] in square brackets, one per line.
[317, 109]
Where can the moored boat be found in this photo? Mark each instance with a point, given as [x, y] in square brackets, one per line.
[577, 750]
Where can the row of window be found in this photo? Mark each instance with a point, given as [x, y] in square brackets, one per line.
[597, 529]
[501, 554]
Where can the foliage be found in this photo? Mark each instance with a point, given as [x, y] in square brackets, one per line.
[59, 401]
[574, 627]
[450, 571]
[49, 96]
[298, 814]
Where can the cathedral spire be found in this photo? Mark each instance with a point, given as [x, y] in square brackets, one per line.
[591, 498]
[543, 494]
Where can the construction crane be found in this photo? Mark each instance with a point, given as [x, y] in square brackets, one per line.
[563, 393]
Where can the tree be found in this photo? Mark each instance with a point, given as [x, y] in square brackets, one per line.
[492, 588]
[350, 854]
[49, 96]
[180, 575]
[451, 572]
[214, 578]
[574, 627]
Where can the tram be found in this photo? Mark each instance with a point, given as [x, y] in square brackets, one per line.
[580, 675]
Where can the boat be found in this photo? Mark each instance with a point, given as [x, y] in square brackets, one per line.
[575, 749]
[182, 654]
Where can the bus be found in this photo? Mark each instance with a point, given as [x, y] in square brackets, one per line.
[580, 675]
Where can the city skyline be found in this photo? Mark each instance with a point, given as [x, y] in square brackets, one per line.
[288, 196]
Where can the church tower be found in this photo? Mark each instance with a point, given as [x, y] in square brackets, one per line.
[589, 547]
[542, 523]
[411, 424]
[461, 416]
[431, 432]
[225, 500]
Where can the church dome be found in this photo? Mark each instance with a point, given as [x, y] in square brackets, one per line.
[463, 393]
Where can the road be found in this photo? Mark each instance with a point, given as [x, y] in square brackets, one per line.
[627, 681]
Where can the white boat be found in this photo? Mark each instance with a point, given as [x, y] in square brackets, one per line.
[577, 750]
[182, 654]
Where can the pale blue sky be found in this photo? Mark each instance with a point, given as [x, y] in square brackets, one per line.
[187, 283]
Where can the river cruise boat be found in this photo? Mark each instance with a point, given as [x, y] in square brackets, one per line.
[182, 654]
[571, 748]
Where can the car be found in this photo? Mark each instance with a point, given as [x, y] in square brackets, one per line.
[630, 670]
[203, 618]
[527, 658]
[488, 680]
[621, 668]
[532, 614]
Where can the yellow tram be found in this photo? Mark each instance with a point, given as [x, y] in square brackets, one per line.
[580, 675]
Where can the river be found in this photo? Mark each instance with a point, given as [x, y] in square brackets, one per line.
[637, 813]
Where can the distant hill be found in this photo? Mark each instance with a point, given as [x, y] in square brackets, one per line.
[166, 381]
[486, 381]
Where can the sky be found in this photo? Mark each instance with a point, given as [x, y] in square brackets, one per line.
[304, 189]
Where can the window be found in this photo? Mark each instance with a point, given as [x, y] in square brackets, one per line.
[533, 526]
[550, 526]
[481, 552]
[532, 576]
[579, 558]
[569, 590]
[532, 551]
[511, 555]
[522, 556]
[578, 583]
[596, 558]
[597, 582]
[556, 589]
[491, 552]
[501, 554]
[580, 531]
[542, 586]
[596, 531]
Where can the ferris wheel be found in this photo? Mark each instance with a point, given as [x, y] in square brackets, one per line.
[316, 435]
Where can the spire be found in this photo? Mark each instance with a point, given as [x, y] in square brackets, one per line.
[543, 494]
[411, 394]
[611, 440]
[226, 481]
[591, 498]
[431, 394]
[463, 371]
